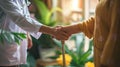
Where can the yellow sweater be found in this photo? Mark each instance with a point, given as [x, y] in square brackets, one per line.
[104, 28]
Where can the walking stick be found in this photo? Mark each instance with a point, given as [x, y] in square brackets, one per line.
[63, 53]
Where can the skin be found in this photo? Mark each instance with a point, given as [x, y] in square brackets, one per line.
[30, 44]
[71, 29]
[58, 34]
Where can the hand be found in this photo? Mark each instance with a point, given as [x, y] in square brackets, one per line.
[56, 33]
[71, 29]
[30, 44]
[67, 29]
[60, 34]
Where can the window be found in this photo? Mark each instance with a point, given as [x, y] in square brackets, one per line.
[92, 4]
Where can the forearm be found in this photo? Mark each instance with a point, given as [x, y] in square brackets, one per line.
[75, 28]
[47, 30]
[87, 27]
[58, 34]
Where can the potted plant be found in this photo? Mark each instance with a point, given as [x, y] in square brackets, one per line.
[79, 56]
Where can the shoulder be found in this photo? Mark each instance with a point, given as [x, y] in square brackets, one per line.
[101, 6]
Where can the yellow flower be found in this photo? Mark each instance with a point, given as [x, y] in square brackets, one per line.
[68, 59]
[89, 64]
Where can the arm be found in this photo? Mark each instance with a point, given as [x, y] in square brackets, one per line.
[87, 27]
[30, 44]
[26, 22]
[58, 34]
[15, 12]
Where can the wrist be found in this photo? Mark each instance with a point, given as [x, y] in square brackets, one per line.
[47, 30]
[51, 31]
[75, 29]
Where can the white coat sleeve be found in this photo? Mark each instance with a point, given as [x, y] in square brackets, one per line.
[24, 21]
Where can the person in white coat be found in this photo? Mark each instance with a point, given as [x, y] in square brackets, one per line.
[15, 17]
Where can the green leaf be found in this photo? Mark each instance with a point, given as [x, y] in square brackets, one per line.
[48, 17]
[86, 54]
[8, 37]
[58, 43]
[79, 57]
[45, 15]
[17, 40]
[66, 50]
[1, 39]
[42, 10]
[80, 44]
[20, 35]
[11, 37]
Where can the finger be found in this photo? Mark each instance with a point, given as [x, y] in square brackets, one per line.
[67, 31]
[64, 37]
[65, 34]
[58, 27]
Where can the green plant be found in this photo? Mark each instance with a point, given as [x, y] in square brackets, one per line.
[44, 15]
[11, 37]
[79, 56]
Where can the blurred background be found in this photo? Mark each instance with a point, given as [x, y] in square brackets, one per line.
[46, 50]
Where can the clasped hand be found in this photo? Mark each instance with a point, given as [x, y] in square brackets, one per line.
[61, 33]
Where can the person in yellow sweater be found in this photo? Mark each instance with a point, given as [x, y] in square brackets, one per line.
[104, 28]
